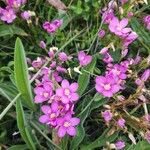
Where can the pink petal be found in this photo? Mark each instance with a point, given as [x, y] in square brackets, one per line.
[74, 96]
[124, 22]
[39, 99]
[45, 109]
[65, 84]
[75, 121]
[107, 93]
[74, 87]
[43, 119]
[61, 132]
[54, 106]
[65, 99]
[71, 131]
[59, 92]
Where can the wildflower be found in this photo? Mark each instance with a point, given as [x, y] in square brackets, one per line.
[43, 92]
[57, 23]
[51, 27]
[8, 15]
[84, 59]
[15, 3]
[50, 114]
[121, 123]
[63, 56]
[147, 21]
[119, 71]
[107, 58]
[104, 50]
[107, 16]
[61, 69]
[129, 39]
[66, 125]
[120, 144]
[67, 92]
[118, 27]
[42, 44]
[107, 115]
[145, 75]
[107, 85]
[101, 33]
[26, 15]
[37, 63]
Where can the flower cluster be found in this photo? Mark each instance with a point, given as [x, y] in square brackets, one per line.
[51, 27]
[56, 94]
[9, 13]
[147, 21]
[113, 80]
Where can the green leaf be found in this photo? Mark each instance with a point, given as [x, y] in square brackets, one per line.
[11, 30]
[22, 125]
[144, 35]
[84, 78]
[100, 141]
[21, 74]
[17, 147]
[89, 105]
[8, 91]
[141, 145]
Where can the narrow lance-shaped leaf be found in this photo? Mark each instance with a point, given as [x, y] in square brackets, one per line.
[22, 125]
[21, 74]
[84, 78]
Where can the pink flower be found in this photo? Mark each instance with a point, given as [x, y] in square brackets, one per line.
[67, 92]
[145, 75]
[108, 15]
[63, 56]
[57, 23]
[50, 114]
[51, 27]
[119, 71]
[129, 39]
[107, 85]
[101, 33]
[26, 15]
[147, 21]
[121, 123]
[120, 144]
[66, 125]
[15, 3]
[8, 15]
[84, 59]
[37, 63]
[42, 44]
[107, 58]
[118, 27]
[107, 115]
[43, 92]
[104, 50]
[61, 69]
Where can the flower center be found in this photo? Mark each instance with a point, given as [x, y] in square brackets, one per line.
[45, 94]
[67, 92]
[53, 115]
[107, 86]
[67, 124]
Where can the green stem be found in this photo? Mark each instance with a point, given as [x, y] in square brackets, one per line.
[9, 106]
[44, 135]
